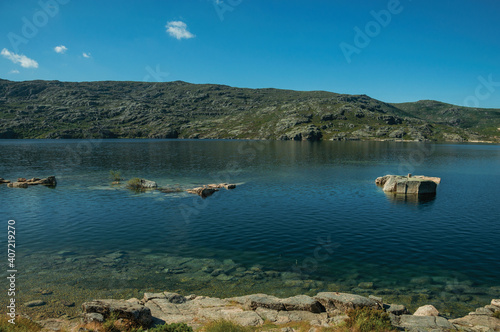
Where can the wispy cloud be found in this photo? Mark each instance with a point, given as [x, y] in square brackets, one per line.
[23, 60]
[86, 55]
[61, 49]
[14, 71]
[178, 29]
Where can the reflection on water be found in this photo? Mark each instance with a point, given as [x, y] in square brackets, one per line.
[440, 249]
[410, 199]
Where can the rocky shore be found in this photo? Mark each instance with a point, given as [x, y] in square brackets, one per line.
[325, 309]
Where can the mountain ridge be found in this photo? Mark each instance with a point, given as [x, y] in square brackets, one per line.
[177, 109]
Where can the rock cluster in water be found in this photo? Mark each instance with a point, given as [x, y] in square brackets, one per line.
[323, 310]
[24, 183]
[408, 185]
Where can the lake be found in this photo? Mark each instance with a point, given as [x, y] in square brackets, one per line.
[305, 217]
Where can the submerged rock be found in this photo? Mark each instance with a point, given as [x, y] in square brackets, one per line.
[36, 303]
[418, 185]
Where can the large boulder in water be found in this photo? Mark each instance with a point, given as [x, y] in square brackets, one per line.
[418, 185]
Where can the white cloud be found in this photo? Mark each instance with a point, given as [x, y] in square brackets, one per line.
[21, 59]
[14, 71]
[86, 55]
[178, 29]
[60, 49]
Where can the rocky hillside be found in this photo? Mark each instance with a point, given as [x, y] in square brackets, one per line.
[53, 109]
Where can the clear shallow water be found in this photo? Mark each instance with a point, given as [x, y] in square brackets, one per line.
[305, 217]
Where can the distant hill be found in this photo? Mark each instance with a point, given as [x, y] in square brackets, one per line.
[108, 109]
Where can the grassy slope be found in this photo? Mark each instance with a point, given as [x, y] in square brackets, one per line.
[53, 109]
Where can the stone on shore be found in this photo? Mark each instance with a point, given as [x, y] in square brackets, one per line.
[396, 309]
[302, 303]
[255, 301]
[426, 310]
[343, 301]
[422, 323]
[407, 185]
[135, 313]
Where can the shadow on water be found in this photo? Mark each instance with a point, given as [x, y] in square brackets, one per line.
[411, 199]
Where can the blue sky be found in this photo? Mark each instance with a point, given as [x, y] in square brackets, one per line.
[392, 50]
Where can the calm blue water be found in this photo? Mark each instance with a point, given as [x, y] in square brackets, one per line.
[301, 211]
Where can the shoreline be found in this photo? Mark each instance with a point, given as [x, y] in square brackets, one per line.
[325, 309]
[252, 140]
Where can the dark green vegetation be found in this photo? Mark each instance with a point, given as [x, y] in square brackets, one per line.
[367, 320]
[53, 109]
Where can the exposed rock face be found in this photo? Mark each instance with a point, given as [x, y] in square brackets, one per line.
[4, 181]
[134, 312]
[418, 185]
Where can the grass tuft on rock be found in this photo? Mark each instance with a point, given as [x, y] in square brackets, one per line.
[367, 320]
[135, 184]
[225, 326]
[497, 314]
[115, 175]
